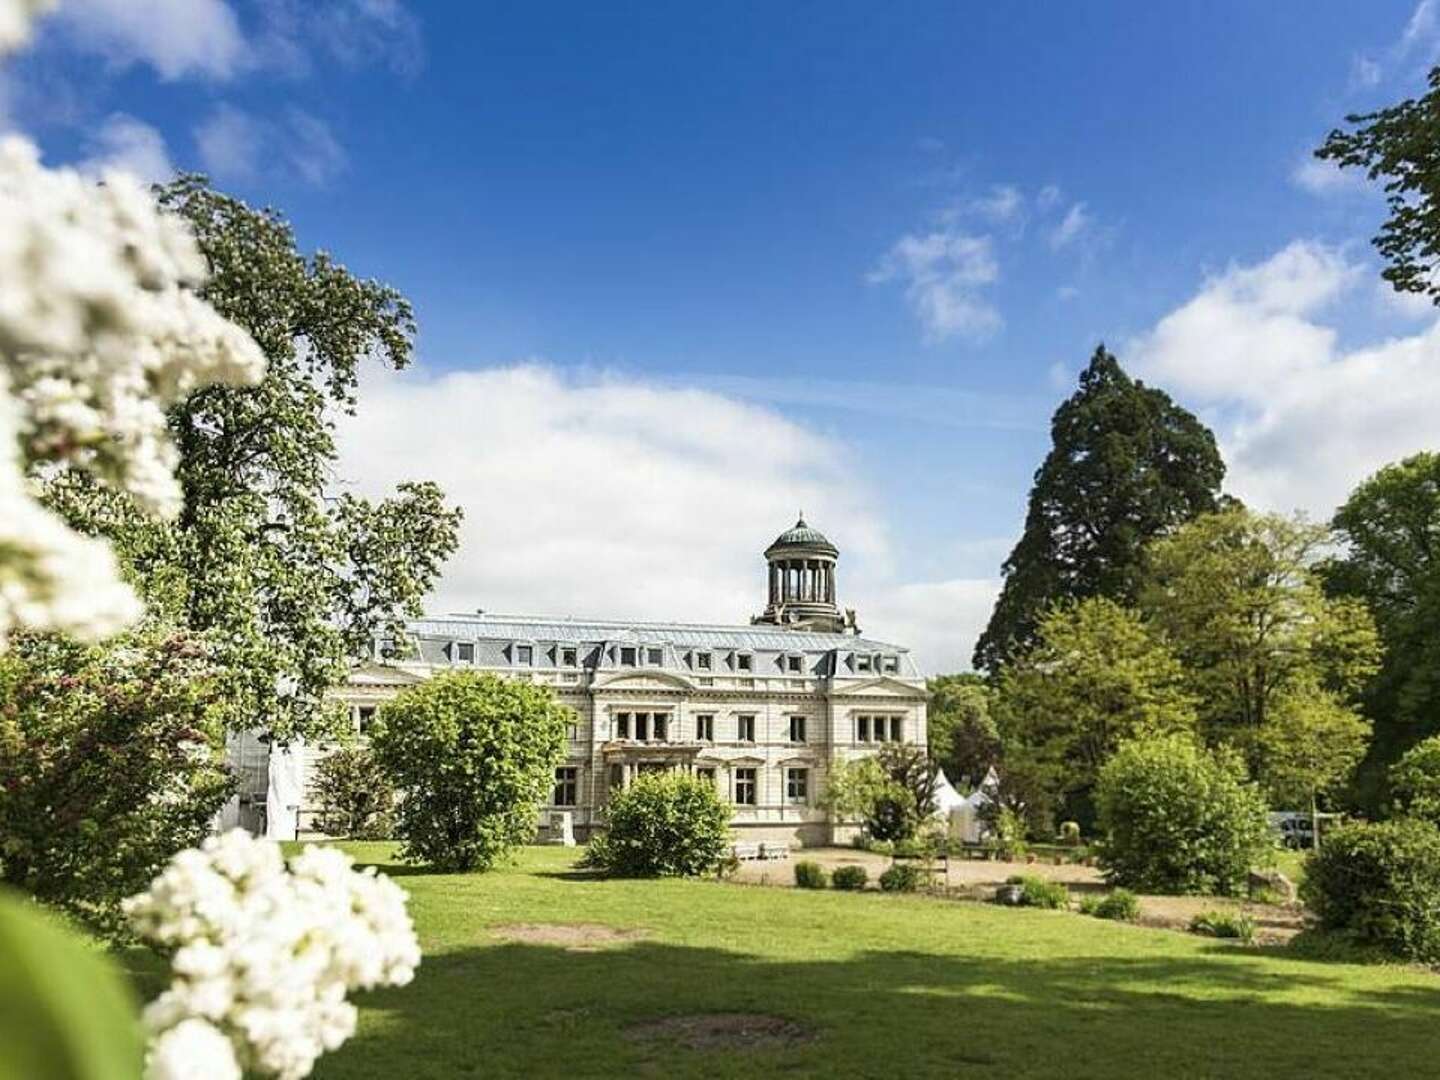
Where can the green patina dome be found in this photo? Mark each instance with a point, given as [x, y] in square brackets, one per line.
[802, 535]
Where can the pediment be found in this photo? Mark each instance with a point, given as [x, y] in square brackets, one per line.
[647, 680]
[883, 686]
[373, 674]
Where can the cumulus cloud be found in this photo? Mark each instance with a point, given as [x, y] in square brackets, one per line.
[1300, 418]
[129, 145]
[236, 146]
[618, 497]
[176, 37]
[944, 273]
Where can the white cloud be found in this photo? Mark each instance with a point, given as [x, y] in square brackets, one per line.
[1325, 178]
[236, 146]
[944, 272]
[129, 145]
[1300, 419]
[1072, 226]
[175, 37]
[1047, 197]
[1003, 203]
[620, 498]
[1365, 73]
[356, 33]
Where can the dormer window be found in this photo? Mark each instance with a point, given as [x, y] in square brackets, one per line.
[795, 665]
[524, 654]
[628, 656]
[569, 658]
[655, 657]
[892, 665]
[462, 652]
[701, 660]
[744, 662]
[863, 664]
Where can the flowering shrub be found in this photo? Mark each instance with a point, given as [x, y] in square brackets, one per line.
[355, 795]
[263, 957]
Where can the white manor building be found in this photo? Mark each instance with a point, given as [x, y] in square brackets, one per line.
[763, 711]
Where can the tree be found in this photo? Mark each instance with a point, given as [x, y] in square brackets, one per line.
[1309, 747]
[1398, 144]
[892, 791]
[962, 735]
[1178, 818]
[472, 756]
[111, 761]
[287, 581]
[1390, 562]
[1415, 781]
[1096, 677]
[1239, 597]
[663, 825]
[1126, 464]
[355, 794]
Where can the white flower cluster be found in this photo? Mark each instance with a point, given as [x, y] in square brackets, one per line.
[264, 957]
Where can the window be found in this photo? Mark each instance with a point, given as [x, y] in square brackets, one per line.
[744, 662]
[795, 665]
[568, 658]
[566, 787]
[622, 725]
[797, 729]
[702, 661]
[862, 663]
[705, 727]
[464, 652]
[627, 656]
[662, 726]
[642, 726]
[745, 787]
[862, 729]
[892, 665]
[617, 777]
[364, 717]
[572, 732]
[895, 725]
[797, 785]
[745, 729]
[524, 654]
[705, 772]
[655, 657]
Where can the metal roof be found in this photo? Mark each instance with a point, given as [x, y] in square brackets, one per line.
[802, 535]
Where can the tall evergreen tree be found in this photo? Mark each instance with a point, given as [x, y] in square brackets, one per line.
[1126, 464]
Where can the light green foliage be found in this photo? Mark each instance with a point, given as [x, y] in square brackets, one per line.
[1235, 925]
[850, 878]
[1239, 598]
[1126, 464]
[354, 794]
[1037, 892]
[1379, 885]
[961, 732]
[811, 875]
[665, 825]
[1310, 744]
[1095, 677]
[473, 757]
[892, 791]
[1179, 819]
[1118, 905]
[111, 760]
[1397, 145]
[1070, 833]
[65, 1010]
[1415, 781]
[1009, 838]
[284, 583]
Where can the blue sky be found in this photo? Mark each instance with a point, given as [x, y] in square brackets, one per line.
[681, 268]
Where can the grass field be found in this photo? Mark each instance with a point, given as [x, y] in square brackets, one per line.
[883, 986]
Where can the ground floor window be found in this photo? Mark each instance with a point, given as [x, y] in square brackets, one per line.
[567, 786]
[745, 787]
[706, 773]
[364, 717]
[797, 785]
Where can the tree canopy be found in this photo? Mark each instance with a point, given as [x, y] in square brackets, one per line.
[1126, 464]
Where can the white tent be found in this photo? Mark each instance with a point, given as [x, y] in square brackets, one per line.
[284, 791]
[966, 823]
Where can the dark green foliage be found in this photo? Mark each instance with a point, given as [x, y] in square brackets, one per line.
[1037, 892]
[473, 756]
[903, 877]
[1126, 464]
[811, 875]
[1235, 925]
[1379, 885]
[1398, 145]
[961, 732]
[665, 825]
[1415, 781]
[849, 878]
[892, 791]
[355, 795]
[111, 761]
[1390, 563]
[1121, 905]
[1179, 819]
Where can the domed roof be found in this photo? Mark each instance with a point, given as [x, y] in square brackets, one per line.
[802, 535]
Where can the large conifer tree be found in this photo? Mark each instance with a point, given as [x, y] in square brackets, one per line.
[1126, 464]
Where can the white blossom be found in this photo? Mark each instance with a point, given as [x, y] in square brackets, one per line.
[190, 1050]
[267, 954]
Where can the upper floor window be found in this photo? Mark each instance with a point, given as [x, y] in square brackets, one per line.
[891, 665]
[744, 662]
[879, 728]
[797, 729]
[863, 664]
[745, 786]
[797, 785]
[642, 726]
[569, 658]
[745, 728]
[628, 656]
[655, 657]
[463, 652]
[702, 661]
[524, 654]
[705, 727]
[795, 665]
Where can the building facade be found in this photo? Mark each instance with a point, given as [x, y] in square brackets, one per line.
[764, 711]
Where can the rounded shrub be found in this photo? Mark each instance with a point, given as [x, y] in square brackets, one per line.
[850, 878]
[902, 877]
[1379, 885]
[1121, 905]
[1415, 780]
[664, 825]
[1039, 893]
[473, 757]
[810, 875]
[1179, 819]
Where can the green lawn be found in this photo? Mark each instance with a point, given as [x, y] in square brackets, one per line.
[890, 986]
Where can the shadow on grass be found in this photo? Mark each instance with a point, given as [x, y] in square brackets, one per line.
[522, 1010]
